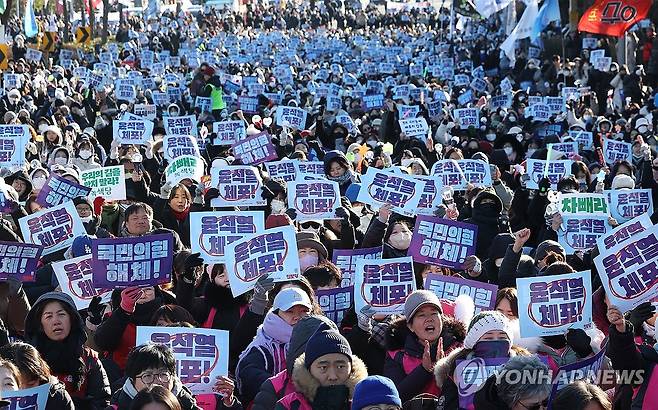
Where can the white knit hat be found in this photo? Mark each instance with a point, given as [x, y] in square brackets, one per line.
[484, 322]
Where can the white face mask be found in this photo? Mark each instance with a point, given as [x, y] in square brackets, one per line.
[85, 154]
[61, 161]
[406, 162]
[400, 240]
[508, 150]
[43, 128]
[278, 206]
[86, 219]
[529, 153]
[307, 260]
[38, 182]
[491, 137]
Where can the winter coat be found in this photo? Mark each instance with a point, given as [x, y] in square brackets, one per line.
[23, 176]
[374, 237]
[515, 265]
[94, 390]
[122, 398]
[58, 397]
[13, 309]
[488, 223]
[486, 398]
[308, 389]
[164, 214]
[404, 356]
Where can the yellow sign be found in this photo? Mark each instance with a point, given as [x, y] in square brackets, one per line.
[4, 56]
[48, 41]
[83, 35]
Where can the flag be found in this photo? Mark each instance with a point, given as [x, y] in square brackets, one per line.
[153, 9]
[613, 17]
[3, 6]
[549, 12]
[488, 7]
[510, 22]
[30, 21]
[522, 30]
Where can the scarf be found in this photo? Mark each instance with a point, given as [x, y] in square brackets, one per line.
[222, 298]
[180, 216]
[131, 391]
[64, 357]
[347, 176]
[110, 215]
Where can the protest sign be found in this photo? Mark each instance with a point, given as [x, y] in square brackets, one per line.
[247, 104]
[372, 102]
[563, 149]
[19, 260]
[624, 231]
[237, 185]
[586, 369]
[408, 111]
[345, 260]
[13, 140]
[283, 170]
[614, 151]
[450, 287]
[132, 261]
[184, 167]
[414, 127]
[442, 242]
[75, 279]
[53, 228]
[201, 354]
[450, 174]
[584, 139]
[501, 101]
[335, 302]
[34, 398]
[229, 132]
[550, 305]
[203, 103]
[555, 104]
[175, 146]
[183, 125]
[470, 374]
[581, 231]
[309, 168]
[583, 203]
[313, 199]
[626, 204]
[475, 172]
[291, 117]
[107, 182]
[32, 55]
[272, 252]
[537, 169]
[58, 190]
[628, 268]
[467, 117]
[430, 198]
[147, 111]
[129, 132]
[210, 232]
[255, 149]
[381, 187]
[383, 284]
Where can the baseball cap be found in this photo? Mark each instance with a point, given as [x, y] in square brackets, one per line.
[289, 297]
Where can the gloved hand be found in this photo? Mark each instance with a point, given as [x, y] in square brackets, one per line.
[165, 190]
[192, 262]
[129, 298]
[343, 214]
[639, 315]
[148, 149]
[364, 318]
[198, 193]
[263, 285]
[579, 342]
[292, 214]
[544, 185]
[15, 285]
[31, 147]
[95, 311]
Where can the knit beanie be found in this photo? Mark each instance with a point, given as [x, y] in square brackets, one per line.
[484, 322]
[324, 341]
[375, 390]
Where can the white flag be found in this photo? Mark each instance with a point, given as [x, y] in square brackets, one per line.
[488, 7]
[522, 30]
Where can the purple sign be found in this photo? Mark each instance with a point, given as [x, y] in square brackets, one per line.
[335, 302]
[442, 242]
[471, 374]
[586, 369]
[59, 190]
[19, 260]
[255, 149]
[345, 260]
[449, 287]
[140, 261]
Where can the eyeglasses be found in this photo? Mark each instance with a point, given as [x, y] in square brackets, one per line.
[148, 378]
[536, 406]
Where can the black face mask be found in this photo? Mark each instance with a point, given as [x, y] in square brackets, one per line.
[488, 209]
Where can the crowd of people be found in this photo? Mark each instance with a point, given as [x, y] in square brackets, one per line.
[284, 352]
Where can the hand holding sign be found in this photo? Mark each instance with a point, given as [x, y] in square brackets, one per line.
[616, 319]
[225, 387]
[640, 314]
[129, 298]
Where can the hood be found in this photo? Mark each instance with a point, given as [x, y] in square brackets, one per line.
[51, 157]
[488, 194]
[308, 385]
[22, 176]
[301, 332]
[33, 323]
[332, 156]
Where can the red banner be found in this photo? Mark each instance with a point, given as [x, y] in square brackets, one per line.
[613, 17]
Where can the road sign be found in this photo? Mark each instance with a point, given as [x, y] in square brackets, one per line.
[48, 41]
[4, 56]
[83, 35]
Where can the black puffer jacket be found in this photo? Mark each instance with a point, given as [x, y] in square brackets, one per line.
[486, 216]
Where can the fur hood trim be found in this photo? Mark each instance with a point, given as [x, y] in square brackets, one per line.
[308, 385]
[445, 367]
[396, 335]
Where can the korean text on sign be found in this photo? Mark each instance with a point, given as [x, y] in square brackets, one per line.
[229, 132]
[584, 204]
[551, 305]
[178, 145]
[140, 261]
[272, 252]
[53, 228]
[255, 149]
[581, 232]
[624, 232]
[19, 260]
[383, 284]
[210, 232]
[629, 270]
[431, 197]
[449, 288]
[614, 151]
[184, 125]
[59, 190]
[450, 173]
[237, 185]
[132, 131]
[442, 242]
[75, 279]
[475, 172]
[201, 354]
[313, 199]
[34, 398]
[626, 204]
[335, 302]
[282, 170]
[536, 169]
[107, 182]
[13, 139]
[184, 167]
[345, 260]
[381, 187]
[292, 117]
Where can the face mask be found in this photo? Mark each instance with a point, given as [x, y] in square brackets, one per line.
[530, 153]
[487, 349]
[372, 143]
[38, 183]
[406, 162]
[43, 128]
[278, 206]
[587, 118]
[400, 240]
[61, 161]
[128, 175]
[85, 154]
[512, 119]
[491, 137]
[508, 150]
[86, 219]
[307, 260]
